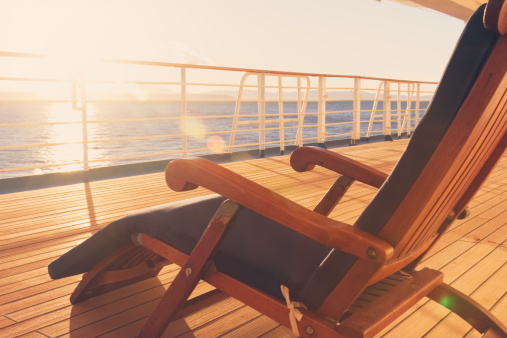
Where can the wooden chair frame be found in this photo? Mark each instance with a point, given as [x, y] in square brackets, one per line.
[377, 259]
[199, 264]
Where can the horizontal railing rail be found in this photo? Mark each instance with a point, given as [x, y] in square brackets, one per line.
[170, 110]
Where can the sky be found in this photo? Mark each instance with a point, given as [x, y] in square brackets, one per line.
[349, 37]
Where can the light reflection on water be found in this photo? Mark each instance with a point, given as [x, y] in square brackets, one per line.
[71, 133]
[55, 134]
[45, 135]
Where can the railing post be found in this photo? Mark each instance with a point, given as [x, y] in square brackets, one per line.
[373, 114]
[321, 114]
[356, 115]
[417, 104]
[84, 115]
[410, 93]
[386, 124]
[79, 81]
[399, 124]
[235, 120]
[302, 110]
[299, 134]
[280, 115]
[261, 95]
[184, 124]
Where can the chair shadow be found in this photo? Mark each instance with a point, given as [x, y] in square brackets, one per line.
[89, 202]
[121, 313]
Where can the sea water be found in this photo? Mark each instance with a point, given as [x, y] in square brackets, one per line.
[204, 132]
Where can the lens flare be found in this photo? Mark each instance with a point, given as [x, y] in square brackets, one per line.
[194, 128]
[239, 156]
[448, 302]
[216, 144]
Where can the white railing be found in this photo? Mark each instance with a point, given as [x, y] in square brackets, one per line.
[176, 115]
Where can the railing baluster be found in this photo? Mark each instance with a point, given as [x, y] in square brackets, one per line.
[78, 84]
[356, 115]
[235, 121]
[410, 93]
[302, 110]
[417, 104]
[84, 114]
[184, 122]
[398, 120]
[386, 125]
[280, 115]
[299, 133]
[374, 110]
[321, 117]
[261, 94]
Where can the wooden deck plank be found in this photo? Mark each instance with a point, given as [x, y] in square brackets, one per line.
[215, 312]
[33, 335]
[125, 312]
[253, 328]
[487, 294]
[62, 314]
[472, 254]
[4, 321]
[221, 325]
[426, 314]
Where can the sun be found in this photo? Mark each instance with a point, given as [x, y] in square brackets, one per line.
[75, 46]
[77, 36]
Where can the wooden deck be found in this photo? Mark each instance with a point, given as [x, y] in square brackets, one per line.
[37, 226]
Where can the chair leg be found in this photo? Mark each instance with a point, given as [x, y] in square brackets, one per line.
[126, 265]
[464, 214]
[192, 272]
[334, 195]
[468, 309]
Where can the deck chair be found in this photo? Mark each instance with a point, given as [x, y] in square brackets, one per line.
[299, 267]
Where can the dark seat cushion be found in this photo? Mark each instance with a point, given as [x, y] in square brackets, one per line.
[257, 250]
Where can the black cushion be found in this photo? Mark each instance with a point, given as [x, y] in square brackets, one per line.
[256, 250]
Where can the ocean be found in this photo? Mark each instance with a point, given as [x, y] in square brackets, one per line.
[206, 131]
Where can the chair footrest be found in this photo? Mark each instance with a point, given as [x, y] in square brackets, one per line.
[386, 300]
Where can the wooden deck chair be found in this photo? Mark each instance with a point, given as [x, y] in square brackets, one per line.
[299, 267]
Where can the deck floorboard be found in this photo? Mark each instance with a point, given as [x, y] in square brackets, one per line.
[38, 226]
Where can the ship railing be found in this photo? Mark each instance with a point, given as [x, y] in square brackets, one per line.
[260, 109]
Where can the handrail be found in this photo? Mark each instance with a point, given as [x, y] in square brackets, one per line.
[282, 112]
[191, 66]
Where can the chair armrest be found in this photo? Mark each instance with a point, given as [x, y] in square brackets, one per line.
[187, 174]
[305, 159]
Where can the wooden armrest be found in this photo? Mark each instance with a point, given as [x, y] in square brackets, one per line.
[187, 174]
[305, 159]
[495, 16]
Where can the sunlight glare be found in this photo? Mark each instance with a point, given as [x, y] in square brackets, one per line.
[194, 128]
[79, 35]
[216, 144]
[79, 38]
[65, 133]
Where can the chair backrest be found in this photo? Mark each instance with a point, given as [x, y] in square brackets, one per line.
[447, 150]
[460, 138]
